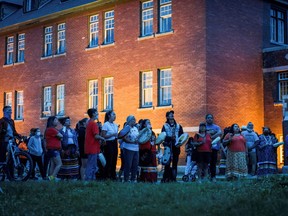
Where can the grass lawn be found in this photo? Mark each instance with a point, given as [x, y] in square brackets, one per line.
[244, 197]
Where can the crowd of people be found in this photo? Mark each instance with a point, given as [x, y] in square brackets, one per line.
[67, 153]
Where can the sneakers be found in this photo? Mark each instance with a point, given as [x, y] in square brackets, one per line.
[52, 178]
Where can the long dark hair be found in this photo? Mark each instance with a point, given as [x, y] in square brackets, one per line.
[50, 121]
[108, 115]
[232, 128]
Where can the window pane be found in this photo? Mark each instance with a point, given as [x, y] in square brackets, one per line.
[165, 87]
[108, 93]
[147, 90]
[93, 93]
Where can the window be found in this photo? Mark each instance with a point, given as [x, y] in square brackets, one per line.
[30, 5]
[60, 100]
[109, 27]
[19, 105]
[165, 16]
[10, 50]
[8, 99]
[147, 18]
[93, 94]
[283, 84]
[94, 31]
[47, 101]
[61, 39]
[108, 93]
[146, 89]
[277, 26]
[21, 48]
[165, 87]
[48, 41]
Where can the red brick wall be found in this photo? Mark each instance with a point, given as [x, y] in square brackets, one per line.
[234, 62]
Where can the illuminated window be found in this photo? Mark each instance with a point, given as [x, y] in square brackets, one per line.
[165, 16]
[93, 94]
[283, 84]
[147, 18]
[277, 26]
[94, 31]
[61, 39]
[21, 47]
[60, 100]
[108, 93]
[48, 41]
[146, 89]
[47, 101]
[8, 99]
[10, 50]
[109, 27]
[19, 105]
[165, 87]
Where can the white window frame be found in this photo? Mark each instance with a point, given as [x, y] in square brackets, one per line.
[108, 93]
[282, 84]
[48, 41]
[165, 87]
[109, 27]
[19, 105]
[60, 100]
[10, 50]
[93, 94]
[147, 18]
[47, 101]
[146, 89]
[277, 26]
[165, 16]
[61, 38]
[94, 31]
[8, 99]
[21, 47]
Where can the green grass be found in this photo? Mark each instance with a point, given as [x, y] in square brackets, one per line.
[246, 197]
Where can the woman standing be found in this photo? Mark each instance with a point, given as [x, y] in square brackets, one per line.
[110, 150]
[53, 145]
[70, 151]
[203, 142]
[236, 165]
[81, 130]
[147, 154]
[267, 154]
[131, 150]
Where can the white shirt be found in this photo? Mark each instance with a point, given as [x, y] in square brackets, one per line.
[110, 128]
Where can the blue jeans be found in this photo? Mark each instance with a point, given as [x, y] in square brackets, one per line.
[92, 168]
[131, 159]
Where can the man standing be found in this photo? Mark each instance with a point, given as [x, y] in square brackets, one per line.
[252, 140]
[7, 131]
[215, 131]
[173, 131]
[92, 144]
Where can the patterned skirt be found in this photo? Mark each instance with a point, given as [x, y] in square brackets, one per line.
[148, 173]
[236, 165]
[69, 169]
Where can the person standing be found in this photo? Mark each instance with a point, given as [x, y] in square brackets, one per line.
[252, 140]
[267, 153]
[36, 151]
[7, 131]
[53, 145]
[70, 151]
[110, 150]
[202, 141]
[236, 166]
[214, 131]
[92, 144]
[81, 130]
[173, 131]
[131, 150]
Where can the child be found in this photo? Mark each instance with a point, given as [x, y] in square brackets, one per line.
[35, 149]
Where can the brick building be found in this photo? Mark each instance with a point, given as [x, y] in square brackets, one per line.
[141, 57]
